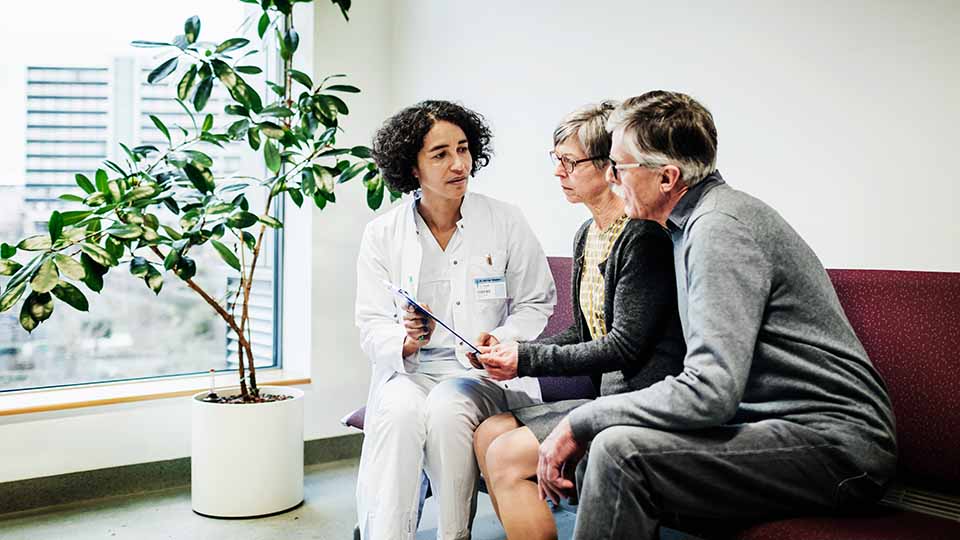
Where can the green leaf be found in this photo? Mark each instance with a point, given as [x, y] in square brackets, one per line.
[343, 88]
[186, 82]
[94, 273]
[207, 123]
[125, 231]
[239, 89]
[7, 251]
[320, 200]
[227, 255]
[231, 44]
[162, 127]
[191, 29]
[85, 183]
[46, 277]
[11, 296]
[9, 268]
[271, 221]
[361, 152]
[69, 267]
[375, 195]
[200, 176]
[263, 24]
[203, 93]
[139, 266]
[253, 137]
[249, 240]
[238, 110]
[238, 129]
[71, 295]
[276, 110]
[296, 196]
[249, 70]
[38, 242]
[99, 255]
[148, 44]
[344, 6]
[351, 172]
[301, 78]
[141, 192]
[55, 226]
[186, 268]
[308, 182]
[102, 181]
[26, 319]
[199, 158]
[271, 130]
[153, 279]
[291, 41]
[272, 156]
[241, 220]
[162, 71]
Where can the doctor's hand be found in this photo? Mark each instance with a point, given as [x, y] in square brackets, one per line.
[500, 361]
[419, 328]
[484, 341]
[558, 452]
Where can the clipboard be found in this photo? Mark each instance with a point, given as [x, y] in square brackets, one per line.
[404, 295]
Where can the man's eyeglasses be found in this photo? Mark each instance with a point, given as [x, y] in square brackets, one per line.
[617, 167]
[569, 164]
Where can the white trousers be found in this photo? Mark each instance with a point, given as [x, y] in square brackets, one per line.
[426, 422]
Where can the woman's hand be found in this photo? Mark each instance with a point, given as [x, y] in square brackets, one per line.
[500, 361]
[484, 341]
[419, 328]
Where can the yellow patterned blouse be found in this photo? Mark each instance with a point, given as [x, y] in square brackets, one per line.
[592, 297]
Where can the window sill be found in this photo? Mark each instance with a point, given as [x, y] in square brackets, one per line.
[40, 401]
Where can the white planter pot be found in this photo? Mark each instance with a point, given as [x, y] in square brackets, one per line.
[247, 459]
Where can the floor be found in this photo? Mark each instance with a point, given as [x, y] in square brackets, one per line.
[327, 513]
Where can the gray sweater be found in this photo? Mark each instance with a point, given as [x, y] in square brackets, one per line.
[644, 342]
[766, 337]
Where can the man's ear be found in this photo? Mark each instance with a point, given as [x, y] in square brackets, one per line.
[670, 179]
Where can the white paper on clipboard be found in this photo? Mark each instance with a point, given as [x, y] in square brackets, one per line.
[404, 296]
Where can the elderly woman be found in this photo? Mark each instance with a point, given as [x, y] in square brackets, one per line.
[462, 256]
[626, 331]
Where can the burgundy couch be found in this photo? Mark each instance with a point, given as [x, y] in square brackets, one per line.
[909, 323]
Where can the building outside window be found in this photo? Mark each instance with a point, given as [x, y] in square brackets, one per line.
[75, 90]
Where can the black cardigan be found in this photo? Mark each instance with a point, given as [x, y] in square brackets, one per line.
[644, 341]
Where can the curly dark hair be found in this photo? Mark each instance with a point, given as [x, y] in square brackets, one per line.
[397, 143]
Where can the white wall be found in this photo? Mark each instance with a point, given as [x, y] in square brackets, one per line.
[840, 115]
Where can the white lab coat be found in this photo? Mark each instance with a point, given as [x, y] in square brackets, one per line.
[492, 232]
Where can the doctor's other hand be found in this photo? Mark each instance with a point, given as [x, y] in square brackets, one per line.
[485, 341]
[419, 328]
[501, 361]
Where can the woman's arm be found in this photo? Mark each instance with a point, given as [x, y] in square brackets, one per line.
[382, 336]
[645, 295]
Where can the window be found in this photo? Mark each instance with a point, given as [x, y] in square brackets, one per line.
[78, 99]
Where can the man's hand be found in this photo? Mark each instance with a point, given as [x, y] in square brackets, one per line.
[558, 450]
[501, 361]
[419, 328]
[484, 341]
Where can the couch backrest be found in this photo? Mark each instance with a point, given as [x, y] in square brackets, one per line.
[909, 323]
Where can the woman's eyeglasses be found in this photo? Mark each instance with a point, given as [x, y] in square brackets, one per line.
[569, 164]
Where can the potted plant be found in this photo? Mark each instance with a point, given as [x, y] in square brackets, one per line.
[158, 206]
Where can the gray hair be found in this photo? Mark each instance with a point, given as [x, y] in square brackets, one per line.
[589, 125]
[669, 128]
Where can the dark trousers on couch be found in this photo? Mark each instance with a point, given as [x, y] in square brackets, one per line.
[635, 477]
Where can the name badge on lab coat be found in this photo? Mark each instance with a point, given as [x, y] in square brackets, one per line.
[490, 288]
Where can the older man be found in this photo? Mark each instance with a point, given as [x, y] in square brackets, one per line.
[778, 410]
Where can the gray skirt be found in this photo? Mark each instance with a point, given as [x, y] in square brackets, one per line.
[543, 417]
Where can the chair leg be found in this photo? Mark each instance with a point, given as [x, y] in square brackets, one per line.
[356, 533]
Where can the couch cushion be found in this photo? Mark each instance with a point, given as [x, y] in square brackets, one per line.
[895, 525]
[910, 326]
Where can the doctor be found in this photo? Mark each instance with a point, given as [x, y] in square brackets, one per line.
[477, 264]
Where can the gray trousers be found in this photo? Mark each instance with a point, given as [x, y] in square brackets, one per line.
[636, 477]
